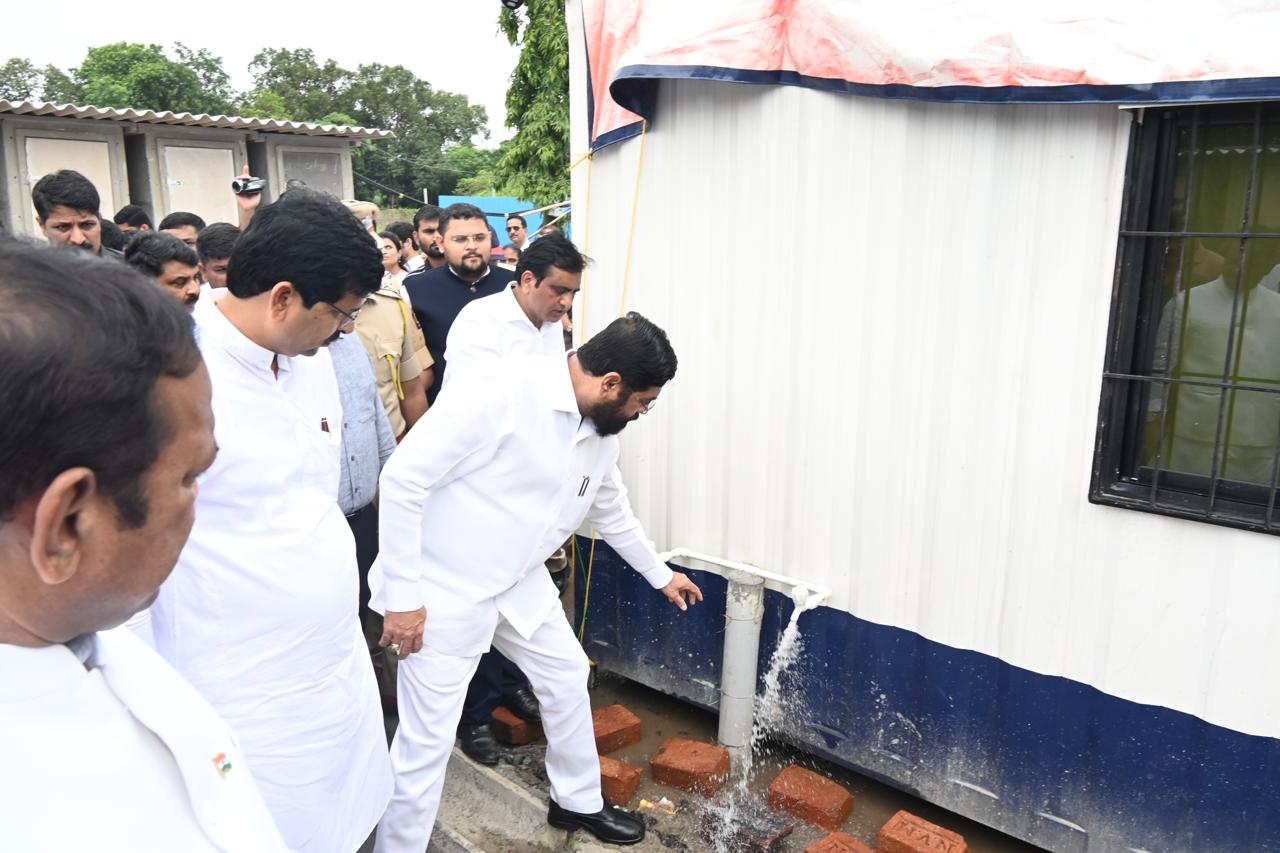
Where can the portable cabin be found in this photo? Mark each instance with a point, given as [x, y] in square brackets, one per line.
[166, 161]
[974, 309]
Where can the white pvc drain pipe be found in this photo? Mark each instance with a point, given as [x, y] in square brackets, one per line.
[744, 612]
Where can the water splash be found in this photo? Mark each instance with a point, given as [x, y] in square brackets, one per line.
[773, 707]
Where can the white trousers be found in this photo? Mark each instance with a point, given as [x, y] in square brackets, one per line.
[431, 689]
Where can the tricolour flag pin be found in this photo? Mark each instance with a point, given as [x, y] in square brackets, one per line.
[220, 761]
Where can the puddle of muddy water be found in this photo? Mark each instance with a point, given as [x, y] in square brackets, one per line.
[664, 717]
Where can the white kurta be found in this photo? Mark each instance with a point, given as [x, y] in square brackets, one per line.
[486, 487]
[106, 748]
[497, 327]
[260, 613]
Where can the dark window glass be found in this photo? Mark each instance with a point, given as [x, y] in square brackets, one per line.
[1190, 414]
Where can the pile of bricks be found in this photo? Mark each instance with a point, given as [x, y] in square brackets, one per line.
[902, 833]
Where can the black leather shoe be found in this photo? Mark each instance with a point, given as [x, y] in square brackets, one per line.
[611, 825]
[478, 744]
[524, 705]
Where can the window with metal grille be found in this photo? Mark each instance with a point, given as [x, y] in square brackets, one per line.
[1189, 422]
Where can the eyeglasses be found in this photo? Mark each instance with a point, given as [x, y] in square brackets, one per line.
[463, 240]
[645, 408]
[349, 318]
[514, 227]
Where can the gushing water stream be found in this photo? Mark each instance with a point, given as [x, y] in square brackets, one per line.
[771, 709]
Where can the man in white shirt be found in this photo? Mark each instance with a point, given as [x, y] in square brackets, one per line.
[519, 323]
[261, 613]
[518, 231]
[494, 478]
[105, 747]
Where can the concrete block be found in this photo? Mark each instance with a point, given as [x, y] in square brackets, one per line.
[906, 833]
[691, 765]
[811, 797]
[838, 842]
[615, 727]
[618, 780]
[510, 729]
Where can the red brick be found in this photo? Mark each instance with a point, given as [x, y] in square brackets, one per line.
[691, 765]
[509, 728]
[838, 842]
[906, 833]
[618, 780]
[615, 727]
[811, 797]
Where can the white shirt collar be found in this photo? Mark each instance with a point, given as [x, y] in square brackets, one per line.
[217, 330]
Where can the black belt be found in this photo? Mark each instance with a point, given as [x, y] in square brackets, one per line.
[361, 511]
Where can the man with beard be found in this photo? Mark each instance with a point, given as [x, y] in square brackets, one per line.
[493, 479]
[168, 261]
[426, 236]
[261, 612]
[437, 295]
[66, 204]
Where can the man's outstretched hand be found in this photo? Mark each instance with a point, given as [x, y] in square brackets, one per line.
[681, 591]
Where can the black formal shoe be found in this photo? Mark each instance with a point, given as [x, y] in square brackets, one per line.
[478, 744]
[524, 705]
[611, 825]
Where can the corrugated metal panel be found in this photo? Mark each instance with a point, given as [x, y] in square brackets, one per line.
[40, 108]
[891, 319]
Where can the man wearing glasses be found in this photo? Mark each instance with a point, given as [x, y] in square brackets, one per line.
[261, 612]
[437, 295]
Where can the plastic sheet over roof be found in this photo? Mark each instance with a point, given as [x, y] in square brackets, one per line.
[988, 51]
[301, 128]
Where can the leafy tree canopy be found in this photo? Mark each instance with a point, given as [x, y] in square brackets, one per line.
[434, 129]
[536, 165]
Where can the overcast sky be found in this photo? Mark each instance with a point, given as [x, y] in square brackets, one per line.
[453, 46]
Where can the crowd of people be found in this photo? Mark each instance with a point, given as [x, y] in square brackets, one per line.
[264, 485]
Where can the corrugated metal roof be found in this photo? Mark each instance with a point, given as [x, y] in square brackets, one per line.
[302, 128]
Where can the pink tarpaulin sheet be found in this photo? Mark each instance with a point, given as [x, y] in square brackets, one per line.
[1033, 51]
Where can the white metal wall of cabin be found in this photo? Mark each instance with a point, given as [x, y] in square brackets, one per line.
[891, 318]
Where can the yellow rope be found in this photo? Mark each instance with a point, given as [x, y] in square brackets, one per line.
[586, 592]
[631, 231]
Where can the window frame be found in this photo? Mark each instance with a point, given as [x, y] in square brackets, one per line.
[1118, 477]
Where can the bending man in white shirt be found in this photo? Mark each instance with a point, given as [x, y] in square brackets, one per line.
[495, 477]
[106, 425]
[261, 613]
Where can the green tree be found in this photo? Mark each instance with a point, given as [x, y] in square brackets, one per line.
[20, 80]
[536, 165]
[391, 97]
[141, 76]
[59, 88]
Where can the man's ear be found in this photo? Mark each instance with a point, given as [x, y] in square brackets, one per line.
[528, 279]
[279, 298]
[65, 517]
[611, 382]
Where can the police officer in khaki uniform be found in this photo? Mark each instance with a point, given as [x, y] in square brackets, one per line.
[390, 333]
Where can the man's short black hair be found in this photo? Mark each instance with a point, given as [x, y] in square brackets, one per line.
[112, 236]
[181, 219]
[426, 213]
[149, 251]
[550, 251]
[133, 216]
[511, 216]
[461, 210]
[403, 231]
[215, 242]
[310, 239]
[78, 371]
[632, 347]
[66, 188]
